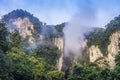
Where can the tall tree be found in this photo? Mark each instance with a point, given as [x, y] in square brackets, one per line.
[3, 37]
[49, 52]
[16, 39]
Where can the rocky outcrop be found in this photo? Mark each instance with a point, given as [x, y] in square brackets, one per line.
[25, 28]
[28, 26]
[95, 54]
[59, 42]
[35, 32]
[113, 48]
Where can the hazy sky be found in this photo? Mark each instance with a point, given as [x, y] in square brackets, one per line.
[58, 11]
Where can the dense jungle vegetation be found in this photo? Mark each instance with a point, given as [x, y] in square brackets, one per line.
[40, 63]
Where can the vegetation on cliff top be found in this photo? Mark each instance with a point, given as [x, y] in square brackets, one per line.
[40, 63]
[19, 13]
[100, 36]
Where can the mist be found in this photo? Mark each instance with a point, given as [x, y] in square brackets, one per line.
[80, 23]
[84, 20]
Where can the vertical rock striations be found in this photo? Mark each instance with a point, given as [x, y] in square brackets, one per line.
[113, 49]
[59, 42]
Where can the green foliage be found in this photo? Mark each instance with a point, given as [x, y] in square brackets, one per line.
[117, 68]
[48, 52]
[15, 64]
[59, 29]
[106, 74]
[98, 37]
[117, 59]
[95, 37]
[16, 39]
[101, 36]
[114, 25]
[87, 72]
[5, 67]
[3, 32]
[116, 71]
[49, 33]
[4, 44]
[55, 75]
[19, 13]
[92, 72]
[26, 67]
[19, 60]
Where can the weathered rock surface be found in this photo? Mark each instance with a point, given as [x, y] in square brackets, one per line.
[95, 54]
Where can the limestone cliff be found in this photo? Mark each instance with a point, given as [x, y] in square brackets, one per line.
[95, 54]
[35, 32]
[25, 28]
[28, 26]
[59, 42]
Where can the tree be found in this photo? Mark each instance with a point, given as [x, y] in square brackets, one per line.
[16, 39]
[117, 59]
[48, 52]
[59, 28]
[26, 67]
[22, 71]
[56, 75]
[106, 74]
[86, 72]
[116, 71]
[4, 44]
[6, 67]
